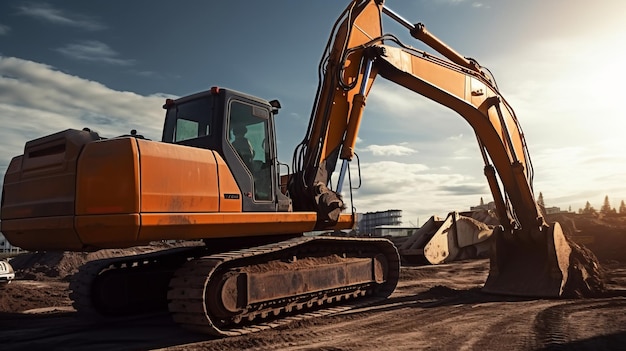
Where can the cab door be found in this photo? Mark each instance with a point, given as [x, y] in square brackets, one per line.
[249, 152]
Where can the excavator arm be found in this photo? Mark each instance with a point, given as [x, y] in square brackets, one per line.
[335, 118]
[530, 257]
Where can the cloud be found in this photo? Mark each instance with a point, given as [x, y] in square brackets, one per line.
[456, 137]
[47, 13]
[37, 100]
[296, 115]
[94, 51]
[147, 74]
[465, 189]
[480, 5]
[4, 30]
[393, 109]
[418, 190]
[393, 100]
[389, 150]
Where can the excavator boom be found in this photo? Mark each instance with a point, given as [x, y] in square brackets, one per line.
[358, 54]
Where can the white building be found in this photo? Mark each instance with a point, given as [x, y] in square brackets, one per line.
[5, 246]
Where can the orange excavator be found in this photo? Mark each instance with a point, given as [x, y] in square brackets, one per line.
[215, 177]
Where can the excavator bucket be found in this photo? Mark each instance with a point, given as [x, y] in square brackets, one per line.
[460, 237]
[524, 267]
[412, 250]
[439, 241]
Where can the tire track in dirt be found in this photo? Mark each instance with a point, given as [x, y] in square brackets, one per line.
[559, 327]
[406, 323]
[352, 330]
[455, 320]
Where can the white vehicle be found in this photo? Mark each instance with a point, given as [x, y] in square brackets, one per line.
[6, 272]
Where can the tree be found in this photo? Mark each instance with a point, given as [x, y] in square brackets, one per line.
[606, 207]
[541, 204]
[482, 203]
[540, 201]
[622, 208]
[588, 209]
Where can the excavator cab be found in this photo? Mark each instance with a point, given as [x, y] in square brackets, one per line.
[240, 128]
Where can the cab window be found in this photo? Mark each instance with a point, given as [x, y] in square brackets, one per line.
[193, 120]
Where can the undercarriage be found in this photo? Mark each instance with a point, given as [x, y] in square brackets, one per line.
[243, 290]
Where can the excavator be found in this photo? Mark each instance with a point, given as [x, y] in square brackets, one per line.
[214, 178]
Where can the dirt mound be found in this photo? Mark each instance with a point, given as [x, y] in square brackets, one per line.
[61, 265]
[605, 236]
[47, 265]
[585, 274]
[19, 296]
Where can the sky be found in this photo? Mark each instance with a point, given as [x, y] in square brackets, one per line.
[109, 66]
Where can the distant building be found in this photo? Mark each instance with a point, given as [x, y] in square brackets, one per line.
[370, 220]
[553, 210]
[393, 230]
[5, 246]
[490, 206]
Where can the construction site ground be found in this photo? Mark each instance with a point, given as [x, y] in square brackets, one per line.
[433, 308]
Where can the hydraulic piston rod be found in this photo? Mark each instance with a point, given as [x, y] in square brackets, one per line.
[419, 32]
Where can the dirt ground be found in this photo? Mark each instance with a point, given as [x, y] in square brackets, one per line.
[433, 308]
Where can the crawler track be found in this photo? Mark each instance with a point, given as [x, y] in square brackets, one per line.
[127, 285]
[194, 306]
